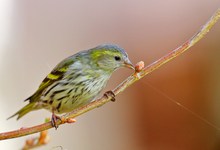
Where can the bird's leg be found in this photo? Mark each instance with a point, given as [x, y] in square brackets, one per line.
[111, 95]
[54, 119]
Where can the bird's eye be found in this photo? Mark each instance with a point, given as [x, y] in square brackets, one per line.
[117, 58]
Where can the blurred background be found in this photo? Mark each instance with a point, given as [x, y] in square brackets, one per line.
[36, 35]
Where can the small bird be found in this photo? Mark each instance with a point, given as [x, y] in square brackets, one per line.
[76, 80]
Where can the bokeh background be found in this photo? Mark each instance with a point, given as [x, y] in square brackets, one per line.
[36, 35]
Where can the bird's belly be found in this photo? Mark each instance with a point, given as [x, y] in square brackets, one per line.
[72, 96]
[75, 101]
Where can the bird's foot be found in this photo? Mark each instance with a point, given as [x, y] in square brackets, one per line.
[54, 120]
[111, 95]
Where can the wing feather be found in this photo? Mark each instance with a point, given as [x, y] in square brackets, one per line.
[56, 74]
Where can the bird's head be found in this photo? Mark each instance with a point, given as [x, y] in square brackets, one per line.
[110, 57]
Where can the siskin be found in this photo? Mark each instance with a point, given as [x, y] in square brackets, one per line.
[76, 80]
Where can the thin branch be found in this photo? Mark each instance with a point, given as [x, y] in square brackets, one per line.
[129, 81]
[36, 142]
[31, 143]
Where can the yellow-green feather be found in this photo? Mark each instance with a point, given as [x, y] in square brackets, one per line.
[26, 109]
[52, 76]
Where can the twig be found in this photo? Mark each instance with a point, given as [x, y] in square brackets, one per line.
[35, 142]
[129, 81]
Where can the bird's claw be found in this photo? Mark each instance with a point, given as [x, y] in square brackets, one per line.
[62, 119]
[111, 95]
[54, 119]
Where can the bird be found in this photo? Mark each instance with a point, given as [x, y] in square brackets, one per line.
[76, 80]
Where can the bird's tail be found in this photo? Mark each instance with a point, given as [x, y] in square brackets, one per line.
[26, 109]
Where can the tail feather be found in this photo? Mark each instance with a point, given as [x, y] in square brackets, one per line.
[26, 109]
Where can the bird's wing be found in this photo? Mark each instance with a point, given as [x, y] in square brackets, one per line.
[56, 74]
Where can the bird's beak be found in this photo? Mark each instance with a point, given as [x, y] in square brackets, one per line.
[128, 64]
